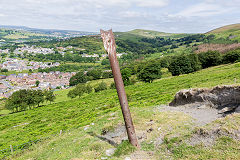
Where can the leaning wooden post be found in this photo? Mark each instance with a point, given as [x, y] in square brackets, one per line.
[110, 47]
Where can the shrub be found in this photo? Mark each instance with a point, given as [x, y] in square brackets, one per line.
[150, 72]
[210, 58]
[102, 86]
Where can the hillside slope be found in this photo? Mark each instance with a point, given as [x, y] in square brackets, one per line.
[232, 27]
[227, 34]
[101, 108]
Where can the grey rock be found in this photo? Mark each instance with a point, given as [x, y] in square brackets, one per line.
[237, 110]
[110, 152]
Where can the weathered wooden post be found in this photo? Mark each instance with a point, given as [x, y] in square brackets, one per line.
[11, 148]
[110, 47]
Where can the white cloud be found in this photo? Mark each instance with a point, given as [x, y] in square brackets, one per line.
[200, 10]
[152, 3]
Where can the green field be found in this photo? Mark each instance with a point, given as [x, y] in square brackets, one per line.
[22, 127]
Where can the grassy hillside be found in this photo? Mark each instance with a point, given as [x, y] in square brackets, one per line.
[141, 33]
[229, 32]
[232, 27]
[19, 128]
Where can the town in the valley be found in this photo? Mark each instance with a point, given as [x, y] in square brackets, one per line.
[24, 73]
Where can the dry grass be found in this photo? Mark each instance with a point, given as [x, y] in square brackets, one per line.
[216, 47]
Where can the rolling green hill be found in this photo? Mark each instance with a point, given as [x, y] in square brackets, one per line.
[99, 108]
[141, 33]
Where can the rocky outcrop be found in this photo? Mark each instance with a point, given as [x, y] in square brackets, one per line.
[225, 98]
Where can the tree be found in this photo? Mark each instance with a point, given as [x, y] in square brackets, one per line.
[80, 77]
[49, 96]
[184, 64]
[37, 83]
[126, 74]
[150, 72]
[79, 90]
[18, 101]
[38, 97]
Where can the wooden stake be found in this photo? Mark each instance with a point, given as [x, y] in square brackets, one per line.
[110, 47]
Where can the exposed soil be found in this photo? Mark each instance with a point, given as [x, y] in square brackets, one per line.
[224, 98]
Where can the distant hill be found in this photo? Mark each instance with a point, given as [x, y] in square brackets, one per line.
[51, 32]
[137, 34]
[149, 33]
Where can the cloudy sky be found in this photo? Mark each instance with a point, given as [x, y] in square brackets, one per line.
[189, 16]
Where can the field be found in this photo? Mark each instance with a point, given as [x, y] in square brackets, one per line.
[71, 115]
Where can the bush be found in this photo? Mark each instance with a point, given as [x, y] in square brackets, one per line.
[150, 72]
[210, 58]
[231, 56]
[102, 86]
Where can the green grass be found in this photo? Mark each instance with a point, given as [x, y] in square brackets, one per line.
[124, 148]
[41, 122]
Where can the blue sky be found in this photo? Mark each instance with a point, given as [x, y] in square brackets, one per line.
[188, 16]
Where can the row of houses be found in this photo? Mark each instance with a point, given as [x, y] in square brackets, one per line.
[33, 50]
[14, 82]
[20, 65]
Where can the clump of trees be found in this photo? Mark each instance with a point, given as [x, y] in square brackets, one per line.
[92, 74]
[189, 63]
[80, 77]
[184, 64]
[150, 72]
[210, 58]
[231, 56]
[28, 99]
